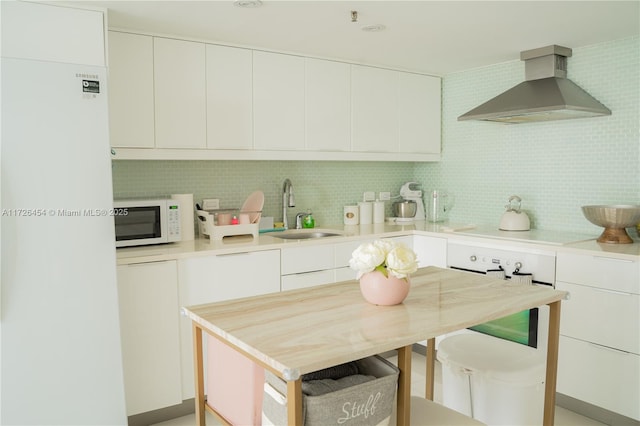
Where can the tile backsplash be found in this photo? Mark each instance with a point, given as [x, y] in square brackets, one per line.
[555, 167]
[322, 187]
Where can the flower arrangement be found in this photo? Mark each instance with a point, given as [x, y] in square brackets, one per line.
[385, 256]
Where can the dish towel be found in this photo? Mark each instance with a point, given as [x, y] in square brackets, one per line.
[496, 273]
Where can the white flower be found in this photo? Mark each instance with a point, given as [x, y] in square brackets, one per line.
[384, 256]
[366, 258]
[401, 261]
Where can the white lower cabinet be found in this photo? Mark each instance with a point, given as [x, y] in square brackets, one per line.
[323, 264]
[218, 278]
[431, 251]
[599, 359]
[600, 375]
[149, 324]
[307, 266]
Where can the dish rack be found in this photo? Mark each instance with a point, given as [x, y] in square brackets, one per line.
[207, 225]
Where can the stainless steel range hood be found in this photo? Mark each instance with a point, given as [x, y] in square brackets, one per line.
[545, 95]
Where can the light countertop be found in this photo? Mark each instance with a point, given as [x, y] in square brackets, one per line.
[534, 239]
[346, 327]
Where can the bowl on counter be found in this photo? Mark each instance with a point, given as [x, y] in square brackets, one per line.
[405, 209]
[614, 219]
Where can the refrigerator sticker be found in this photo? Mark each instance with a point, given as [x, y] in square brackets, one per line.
[90, 86]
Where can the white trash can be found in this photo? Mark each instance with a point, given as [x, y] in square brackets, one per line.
[492, 380]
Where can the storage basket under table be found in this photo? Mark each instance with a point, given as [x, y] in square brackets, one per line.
[365, 403]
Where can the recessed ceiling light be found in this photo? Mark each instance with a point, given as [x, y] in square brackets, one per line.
[247, 3]
[373, 28]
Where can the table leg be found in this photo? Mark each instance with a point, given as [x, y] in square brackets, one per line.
[552, 364]
[431, 369]
[198, 367]
[294, 402]
[404, 386]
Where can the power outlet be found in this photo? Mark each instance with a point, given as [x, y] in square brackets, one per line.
[384, 196]
[210, 204]
[369, 196]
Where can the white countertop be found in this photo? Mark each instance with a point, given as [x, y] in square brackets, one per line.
[534, 239]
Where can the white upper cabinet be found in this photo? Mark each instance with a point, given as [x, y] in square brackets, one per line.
[131, 90]
[278, 101]
[52, 33]
[180, 95]
[374, 110]
[327, 105]
[229, 98]
[419, 113]
[184, 100]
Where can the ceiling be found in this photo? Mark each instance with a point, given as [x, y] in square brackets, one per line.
[433, 37]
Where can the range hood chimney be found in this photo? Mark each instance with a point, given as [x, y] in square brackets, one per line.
[546, 94]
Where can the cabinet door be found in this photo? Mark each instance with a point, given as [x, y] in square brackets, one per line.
[307, 259]
[374, 109]
[52, 33]
[418, 113]
[149, 324]
[606, 317]
[180, 95]
[600, 376]
[343, 252]
[229, 98]
[599, 271]
[431, 251]
[217, 278]
[327, 104]
[307, 279]
[131, 90]
[278, 101]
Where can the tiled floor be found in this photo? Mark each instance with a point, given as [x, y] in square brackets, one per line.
[418, 382]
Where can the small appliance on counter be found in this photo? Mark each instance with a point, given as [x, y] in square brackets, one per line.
[513, 219]
[140, 222]
[411, 207]
[440, 204]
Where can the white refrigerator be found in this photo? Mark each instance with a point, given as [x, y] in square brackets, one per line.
[60, 338]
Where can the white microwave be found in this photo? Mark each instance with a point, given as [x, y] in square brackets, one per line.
[144, 222]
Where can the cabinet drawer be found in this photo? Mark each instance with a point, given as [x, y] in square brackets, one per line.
[345, 274]
[307, 259]
[307, 279]
[344, 251]
[599, 271]
[600, 376]
[601, 316]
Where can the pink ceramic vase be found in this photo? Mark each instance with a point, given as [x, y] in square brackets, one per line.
[380, 290]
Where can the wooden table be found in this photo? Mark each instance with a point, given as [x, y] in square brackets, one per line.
[300, 331]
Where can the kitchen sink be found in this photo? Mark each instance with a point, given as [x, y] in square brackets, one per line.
[304, 235]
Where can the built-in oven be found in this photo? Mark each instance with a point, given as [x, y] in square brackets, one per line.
[527, 266]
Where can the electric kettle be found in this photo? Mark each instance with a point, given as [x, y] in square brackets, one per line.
[513, 219]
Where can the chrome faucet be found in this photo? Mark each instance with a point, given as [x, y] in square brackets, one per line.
[287, 200]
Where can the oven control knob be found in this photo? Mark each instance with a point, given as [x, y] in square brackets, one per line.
[518, 265]
[473, 258]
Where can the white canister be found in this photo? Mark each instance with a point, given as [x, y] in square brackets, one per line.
[187, 213]
[378, 212]
[351, 215]
[366, 212]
